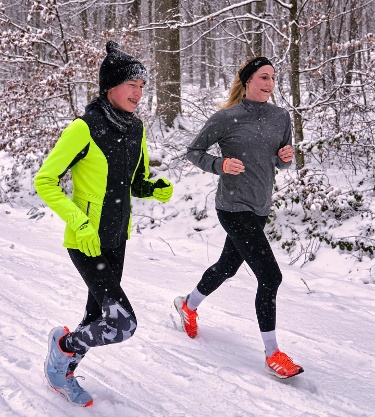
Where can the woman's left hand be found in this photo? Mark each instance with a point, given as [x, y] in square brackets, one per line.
[286, 153]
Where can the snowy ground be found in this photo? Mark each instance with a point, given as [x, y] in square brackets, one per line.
[160, 372]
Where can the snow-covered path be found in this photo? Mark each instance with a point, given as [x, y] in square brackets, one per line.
[160, 372]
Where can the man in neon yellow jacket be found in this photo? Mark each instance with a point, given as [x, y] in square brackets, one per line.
[106, 152]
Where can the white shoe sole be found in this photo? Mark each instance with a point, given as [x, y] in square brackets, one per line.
[270, 371]
[178, 306]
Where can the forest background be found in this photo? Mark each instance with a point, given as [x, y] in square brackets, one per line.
[323, 53]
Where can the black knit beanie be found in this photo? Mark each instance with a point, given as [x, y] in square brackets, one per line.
[252, 67]
[118, 67]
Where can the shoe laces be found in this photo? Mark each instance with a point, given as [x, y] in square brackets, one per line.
[283, 360]
[190, 316]
[74, 387]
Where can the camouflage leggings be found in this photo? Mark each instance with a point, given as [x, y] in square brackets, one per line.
[109, 317]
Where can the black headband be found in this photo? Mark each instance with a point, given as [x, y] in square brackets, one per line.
[253, 66]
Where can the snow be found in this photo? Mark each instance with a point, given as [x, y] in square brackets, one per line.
[326, 321]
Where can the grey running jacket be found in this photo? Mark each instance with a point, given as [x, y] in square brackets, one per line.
[252, 132]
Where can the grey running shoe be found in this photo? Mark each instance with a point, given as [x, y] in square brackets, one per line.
[74, 393]
[57, 361]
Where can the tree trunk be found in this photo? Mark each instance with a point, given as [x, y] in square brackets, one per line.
[134, 14]
[353, 32]
[203, 74]
[110, 16]
[260, 8]
[167, 55]
[84, 23]
[294, 55]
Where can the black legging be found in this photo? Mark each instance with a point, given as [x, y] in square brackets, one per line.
[247, 242]
[109, 316]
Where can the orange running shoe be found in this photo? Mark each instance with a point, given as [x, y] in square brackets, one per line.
[188, 317]
[282, 366]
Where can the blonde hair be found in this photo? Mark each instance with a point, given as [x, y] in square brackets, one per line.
[237, 90]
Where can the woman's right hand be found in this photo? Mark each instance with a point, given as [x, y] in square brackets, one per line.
[233, 166]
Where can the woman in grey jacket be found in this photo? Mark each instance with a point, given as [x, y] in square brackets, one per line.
[254, 137]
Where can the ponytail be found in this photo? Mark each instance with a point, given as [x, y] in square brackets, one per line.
[236, 93]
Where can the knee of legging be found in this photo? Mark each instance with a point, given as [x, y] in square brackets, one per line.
[278, 278]
[135, 323]
[270, 281]
[132, 331]
[127, 327]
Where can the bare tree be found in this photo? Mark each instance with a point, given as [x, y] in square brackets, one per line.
[295, 80]
[49, 72]
[258, 35]
[134, 13]
[353, 35]
[167, 54]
